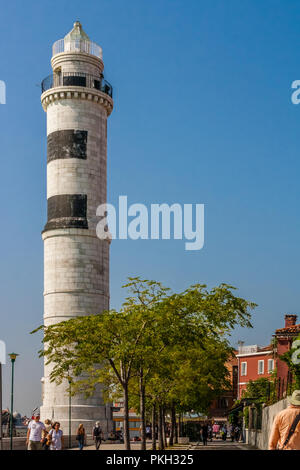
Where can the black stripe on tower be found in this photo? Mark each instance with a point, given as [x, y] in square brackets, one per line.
[69, 143]
[67, 211]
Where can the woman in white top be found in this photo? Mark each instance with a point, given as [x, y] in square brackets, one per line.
[56, 436]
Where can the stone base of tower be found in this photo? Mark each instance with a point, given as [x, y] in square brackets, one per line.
[80, 414]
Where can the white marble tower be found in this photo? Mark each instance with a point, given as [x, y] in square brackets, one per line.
[77, 101]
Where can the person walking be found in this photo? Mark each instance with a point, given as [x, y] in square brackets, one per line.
[55, 437]
[48, 427]
[35, 434]
[120, 436]
[80, 436]
[204, 434]
[216, 429]
[285, 434]
[237, 433]
[97, 435]
[210, 433]
[224, 432]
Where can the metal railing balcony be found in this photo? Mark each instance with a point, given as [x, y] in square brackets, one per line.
[77, 79]
[77, 45]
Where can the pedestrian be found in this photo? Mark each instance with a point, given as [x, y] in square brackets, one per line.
[237, 433]
[48, 427]
[80, 436]
[210, 433]
[204, 434]
[120, 436]
[285, 434]
[97, 435]
[232, 433]
[148, 432]
[55, 437]
[216, 429]
[224, 432]
[35, 434]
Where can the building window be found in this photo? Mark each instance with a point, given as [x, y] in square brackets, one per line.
[222, 403]
[244, 368]
[119, 424]
[134, 424]
[261, 367]
[270, 365]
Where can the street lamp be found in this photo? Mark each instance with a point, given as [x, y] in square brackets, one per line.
[1, 436]
[13, 357]
[70, 413]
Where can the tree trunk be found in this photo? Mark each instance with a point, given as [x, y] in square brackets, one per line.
[179, 426]
[160, 429]
[142, 410]
[182, 429]
[126, 417]
[153, 426]
[164, 428]
[173, 425]
[176, 432]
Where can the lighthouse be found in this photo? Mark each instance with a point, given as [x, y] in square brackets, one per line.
[77, 100]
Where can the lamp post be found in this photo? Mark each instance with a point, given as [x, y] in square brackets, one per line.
[13, 357]
[1, 441]
[70, 414]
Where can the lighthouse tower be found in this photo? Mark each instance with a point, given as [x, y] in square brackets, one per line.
[78, 101]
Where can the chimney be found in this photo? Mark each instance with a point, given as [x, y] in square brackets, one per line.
[290, 320]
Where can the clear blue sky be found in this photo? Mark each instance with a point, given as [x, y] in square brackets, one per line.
[202, 115]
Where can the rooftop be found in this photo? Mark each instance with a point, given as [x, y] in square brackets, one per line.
[290, 327]
[294, 329]
[253, 349]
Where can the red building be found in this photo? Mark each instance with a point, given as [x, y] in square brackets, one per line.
[219, 408]
[285, 337]
[254, 362]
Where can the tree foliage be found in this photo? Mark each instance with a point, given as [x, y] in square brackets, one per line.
[161, 348]
[259, 390]
[292, 359]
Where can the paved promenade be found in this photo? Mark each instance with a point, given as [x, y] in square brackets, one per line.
[220, 445]
[216, 444]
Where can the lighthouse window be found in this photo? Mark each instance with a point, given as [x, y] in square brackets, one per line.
[74, 80]
[97, 84]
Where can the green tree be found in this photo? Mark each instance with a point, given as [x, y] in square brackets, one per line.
[149, 297]
[259, 390]
[292, 359]
[173, 344]
[96, 349]
[184, 367]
